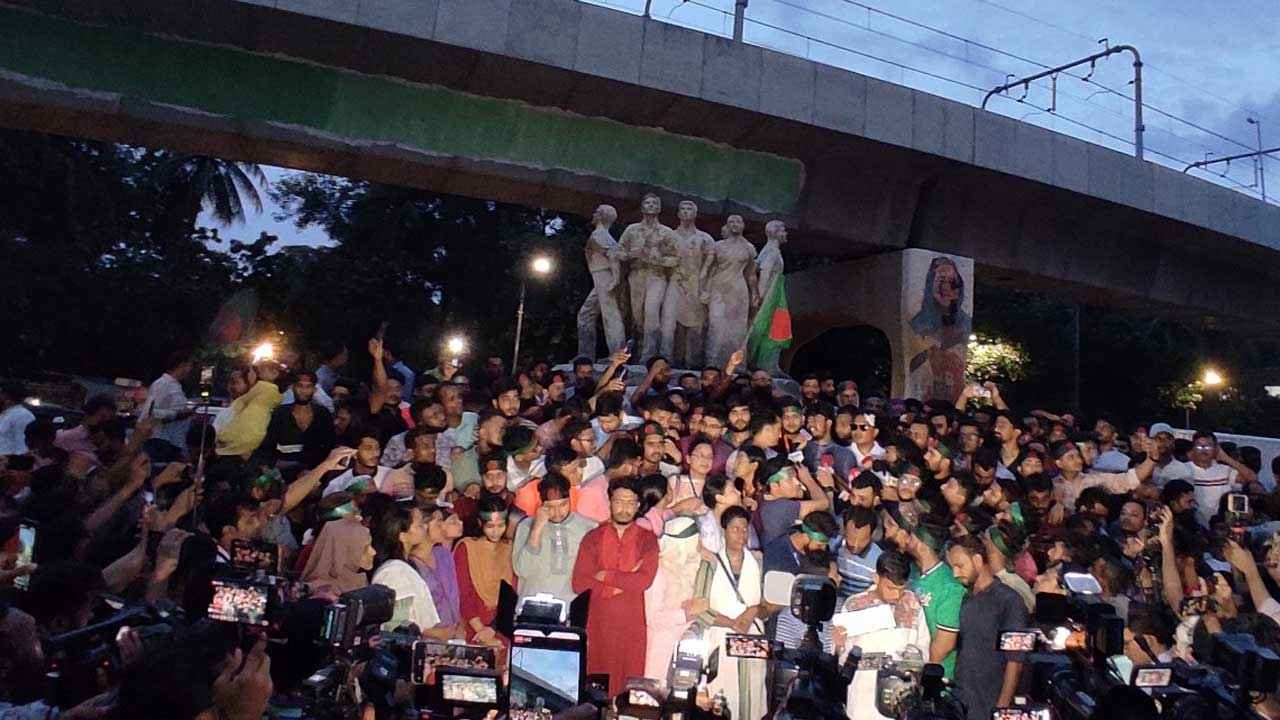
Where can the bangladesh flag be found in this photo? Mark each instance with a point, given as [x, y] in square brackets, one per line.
[770, 333]
[233, 324]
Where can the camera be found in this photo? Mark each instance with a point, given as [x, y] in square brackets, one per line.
[356, 615]
[83, 663]
[808, 683]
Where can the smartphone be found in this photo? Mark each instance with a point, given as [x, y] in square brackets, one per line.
[630, 347]
[1081, 583]
[1238, 503]
[640, 698]
[1018, 640]
[255, 555]
[978, 391]
[747, 646]
[470, 688]
[429, 656]
[26, 552]
[1021, 713]
[1156, 676]
[240, 601]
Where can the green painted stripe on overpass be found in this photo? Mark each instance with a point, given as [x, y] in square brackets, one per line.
[437, 120]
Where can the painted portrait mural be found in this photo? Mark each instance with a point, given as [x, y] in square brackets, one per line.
[940, 314]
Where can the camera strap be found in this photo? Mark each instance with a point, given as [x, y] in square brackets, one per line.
[733, 582]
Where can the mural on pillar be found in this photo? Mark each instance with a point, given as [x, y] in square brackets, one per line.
[939, 326]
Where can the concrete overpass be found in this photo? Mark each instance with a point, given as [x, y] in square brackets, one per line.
[561, 104]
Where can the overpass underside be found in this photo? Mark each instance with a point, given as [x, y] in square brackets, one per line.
[547, 109]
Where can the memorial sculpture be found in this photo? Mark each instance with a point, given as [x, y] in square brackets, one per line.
[731, 292]
[650, 248]
[604, 262]
[770, 265]
[692, 298]
[684, 311]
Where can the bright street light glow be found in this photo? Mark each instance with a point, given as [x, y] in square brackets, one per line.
[265, 351]
[1211, 378]
[456, 345]
[541, 265]
[973, 338]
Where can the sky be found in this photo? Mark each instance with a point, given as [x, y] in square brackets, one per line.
[1207, 67]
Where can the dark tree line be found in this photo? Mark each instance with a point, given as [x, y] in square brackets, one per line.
[105, 272]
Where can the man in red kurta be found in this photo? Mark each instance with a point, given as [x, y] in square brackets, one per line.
[617, 562]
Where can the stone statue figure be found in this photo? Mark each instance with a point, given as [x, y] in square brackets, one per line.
[651, 248]
[684, 313]
[770, 266]
[604, 262]
[731, 292]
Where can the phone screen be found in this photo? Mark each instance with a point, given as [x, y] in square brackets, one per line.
[746, 646]
[1018, 640]
[469, 688]
[26, 553]
[239, 602]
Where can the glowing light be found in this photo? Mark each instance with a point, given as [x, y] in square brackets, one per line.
[973, 338]
[541, 265]
[1211, 378]
[456, 345]
[264, 351]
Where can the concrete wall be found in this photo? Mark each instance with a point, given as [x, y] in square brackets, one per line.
[564, 105]
[889, 292]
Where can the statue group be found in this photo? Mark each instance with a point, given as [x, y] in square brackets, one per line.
[691, 297]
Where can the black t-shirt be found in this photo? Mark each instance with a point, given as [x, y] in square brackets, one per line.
[979, 665]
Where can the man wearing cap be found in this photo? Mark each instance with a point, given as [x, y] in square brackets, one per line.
[865, 449]
[1167, 467]
[1109, 458]
[939, 591]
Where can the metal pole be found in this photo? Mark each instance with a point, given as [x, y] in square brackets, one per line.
[1229, 158]
[1138, 128]
[515, 355]
[1186, 417]
[1262, 159]
[739, 18]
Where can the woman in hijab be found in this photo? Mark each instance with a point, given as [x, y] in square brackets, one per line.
[341, 559]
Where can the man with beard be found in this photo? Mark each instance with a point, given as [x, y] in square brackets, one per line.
[456, 445]
[428, 414]
[986, 677]
[546, 544]
[935, 585]
[506, 400]
[654, 382]
[365, 474]
[739, 420]
[794, 433]
[847, 394]
[762, 386]
[714, 423]
[617, 562]
[493, 482]
[300, 434]
[400, 482]
[810, 389]
[822, 451]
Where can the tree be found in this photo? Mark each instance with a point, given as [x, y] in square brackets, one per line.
[223, 186]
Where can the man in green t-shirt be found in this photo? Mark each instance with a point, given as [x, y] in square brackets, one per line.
[934, 585]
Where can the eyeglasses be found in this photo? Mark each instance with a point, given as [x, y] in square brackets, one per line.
[1204, 448]
[861, 428]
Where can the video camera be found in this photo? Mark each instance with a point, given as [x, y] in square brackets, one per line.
[85, 662]
[808, 682]
[677, 698]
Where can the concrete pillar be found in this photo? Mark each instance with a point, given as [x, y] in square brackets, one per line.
[921, 300]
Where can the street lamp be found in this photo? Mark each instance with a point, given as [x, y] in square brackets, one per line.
[1211, 378]
[540, 265]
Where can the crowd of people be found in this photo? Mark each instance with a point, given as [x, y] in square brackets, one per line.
[668, 497]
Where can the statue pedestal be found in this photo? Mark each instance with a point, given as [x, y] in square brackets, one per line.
[921, 300]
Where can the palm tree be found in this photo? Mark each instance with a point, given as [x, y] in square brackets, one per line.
[224, 186]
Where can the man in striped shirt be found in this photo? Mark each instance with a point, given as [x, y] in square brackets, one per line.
[857, 554]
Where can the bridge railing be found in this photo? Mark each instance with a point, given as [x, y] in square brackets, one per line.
[1096, 106]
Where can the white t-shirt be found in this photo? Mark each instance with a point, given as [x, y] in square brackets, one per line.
[1211, 484]
[413, 597]
[346, 479]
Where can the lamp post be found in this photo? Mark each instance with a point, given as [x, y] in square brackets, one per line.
[1262, 159]
[1209, 378]
[541, 266]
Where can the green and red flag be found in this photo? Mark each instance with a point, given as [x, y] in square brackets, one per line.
[233, 325]
[770, 333]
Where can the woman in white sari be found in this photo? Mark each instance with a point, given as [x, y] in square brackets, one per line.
[729, 590]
